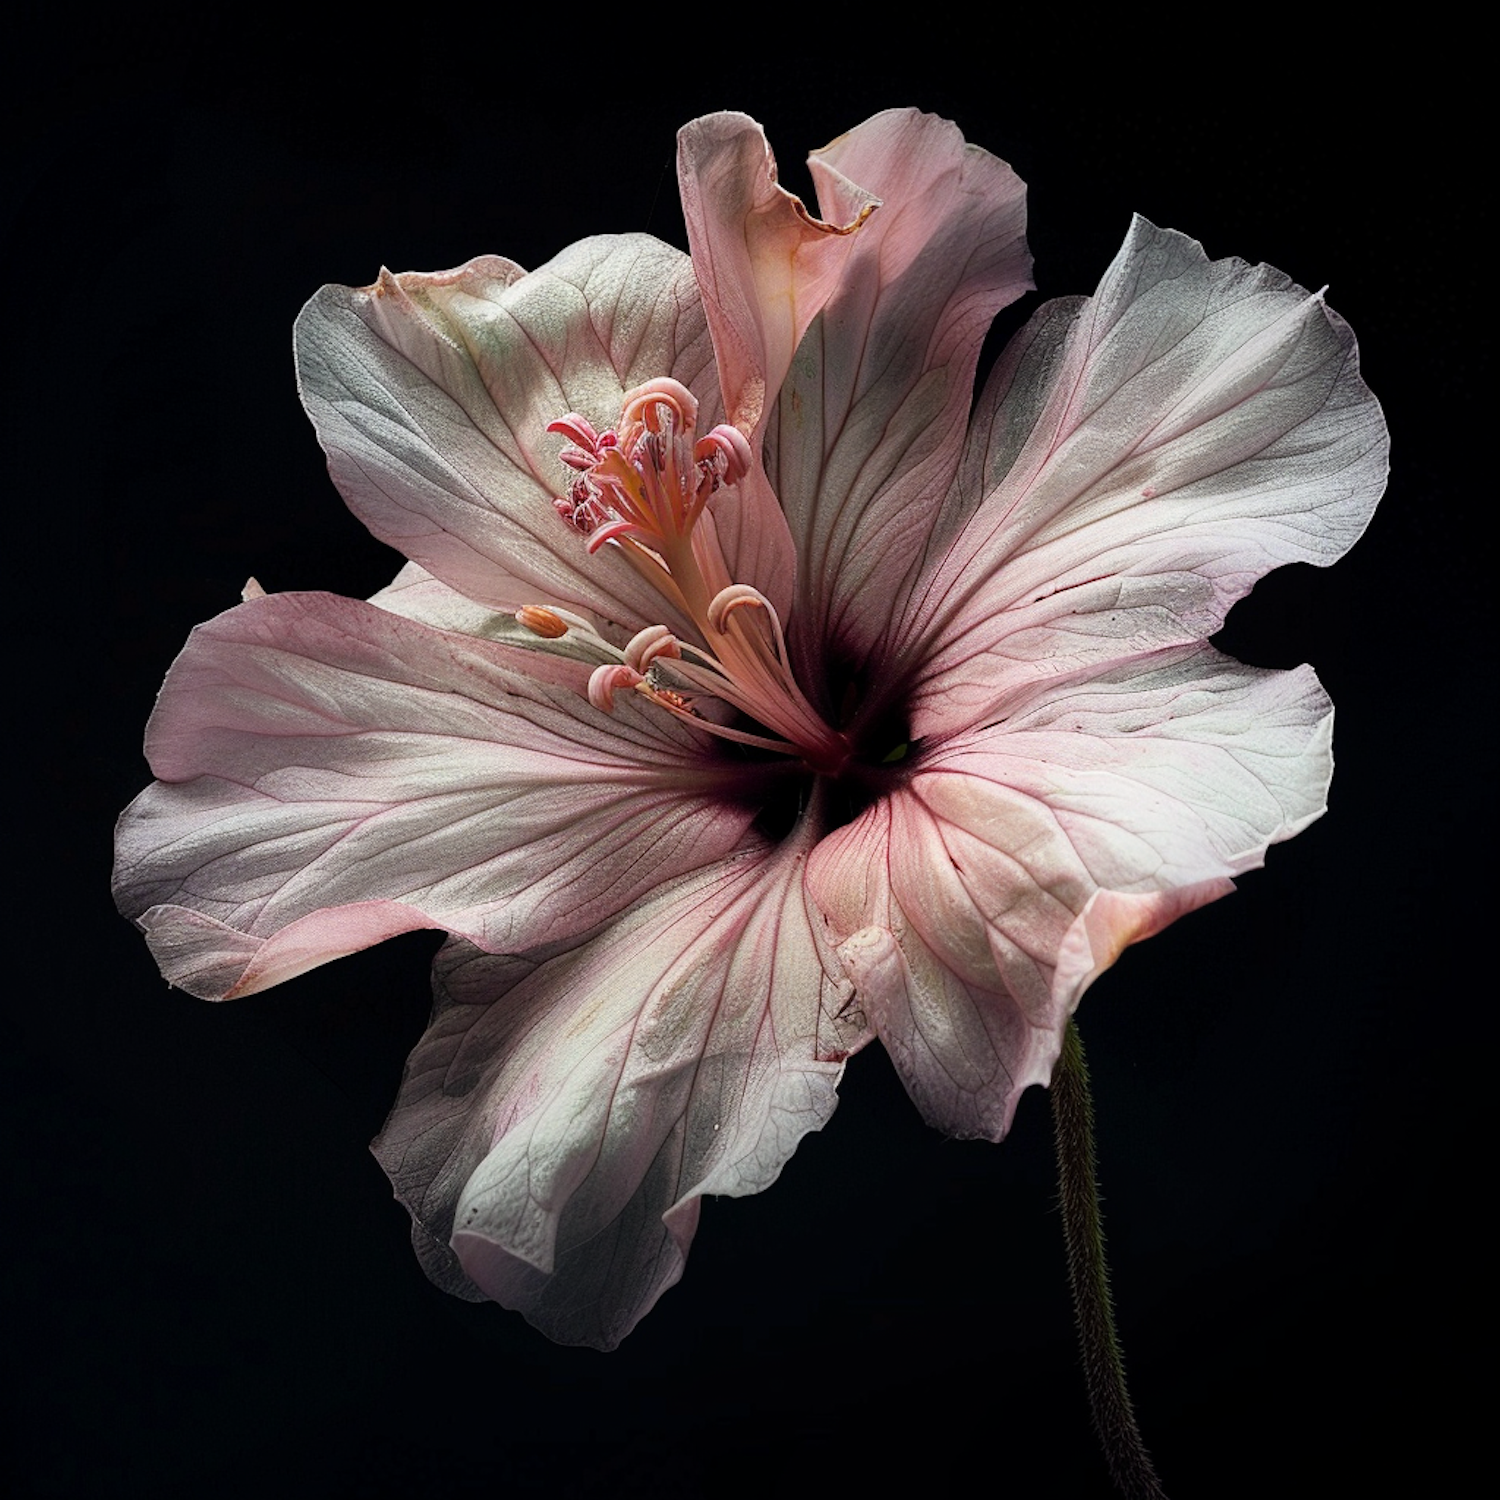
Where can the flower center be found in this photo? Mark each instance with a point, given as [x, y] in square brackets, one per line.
[642, 489]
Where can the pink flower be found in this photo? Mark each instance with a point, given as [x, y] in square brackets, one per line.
[747, 695]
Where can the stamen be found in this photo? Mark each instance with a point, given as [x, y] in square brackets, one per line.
[613, 533]
[725, 445]
[643, 405]
[640, 490]
[540, 620]
[583, 452]
[726, 601]
[677, 704]
[606, 681]
[648, 482]
[646, 645]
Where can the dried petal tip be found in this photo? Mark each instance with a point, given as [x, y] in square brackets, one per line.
[542, 621]
[251, 590]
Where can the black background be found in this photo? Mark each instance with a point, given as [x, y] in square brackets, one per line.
[214, 1288]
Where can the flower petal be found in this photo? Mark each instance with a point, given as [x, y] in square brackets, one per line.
[565, 1112]
[1138, 461]
[431, 395]
[765, 266]
[415, 594]
[870, 424]
[331, 773]
[965, 1051]
[977, 903]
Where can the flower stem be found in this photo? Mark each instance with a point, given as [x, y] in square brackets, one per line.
[1103, 1363]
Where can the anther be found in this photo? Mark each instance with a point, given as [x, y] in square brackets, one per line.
[643, 404]
[726, 601]
[646, 645]
[606, 681]
[581, 434]
[540, 620]
[727, 449]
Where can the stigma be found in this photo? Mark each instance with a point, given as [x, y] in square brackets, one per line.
[650, 478]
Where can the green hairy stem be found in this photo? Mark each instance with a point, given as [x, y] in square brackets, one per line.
[1103, 1363]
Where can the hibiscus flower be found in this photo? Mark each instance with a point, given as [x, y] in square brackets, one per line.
[752, 690]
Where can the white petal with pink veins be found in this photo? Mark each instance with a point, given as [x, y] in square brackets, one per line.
[330, 774]
[1176, 769]
[870, 424]
[431, 395]
[764, 266]
[964, 1049]
[977, 902]
[565, 1113]
[1139, 459]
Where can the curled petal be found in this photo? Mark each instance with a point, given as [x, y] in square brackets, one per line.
[1111, 921]
[869, 428]
[764, 264]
